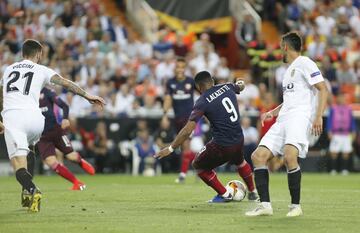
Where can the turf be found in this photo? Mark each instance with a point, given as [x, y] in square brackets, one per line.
[116, 203]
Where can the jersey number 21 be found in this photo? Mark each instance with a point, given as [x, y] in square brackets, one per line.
[15, 76]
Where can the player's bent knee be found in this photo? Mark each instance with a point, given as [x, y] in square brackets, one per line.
[51, 160]
[291, 161]
[18, 162]
[258, 158]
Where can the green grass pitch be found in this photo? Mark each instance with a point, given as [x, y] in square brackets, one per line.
[115, 203]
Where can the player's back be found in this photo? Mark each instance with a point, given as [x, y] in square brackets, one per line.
[219, 105]
[22, 83]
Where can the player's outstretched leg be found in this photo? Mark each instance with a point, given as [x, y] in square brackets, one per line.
[294, 179]
[63, 171]
[85, 165]
[210, 178]
[245, 172]
[260, 157]
[25, 195]
[187, 158]
[19, 164]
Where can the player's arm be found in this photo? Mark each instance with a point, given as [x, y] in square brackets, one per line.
[196, 114]
[65, 123]
[179, 139]
[270, 114]
[71, 86]
[322, 97]
[167, 104]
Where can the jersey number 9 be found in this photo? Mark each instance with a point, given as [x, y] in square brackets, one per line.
[230, 108]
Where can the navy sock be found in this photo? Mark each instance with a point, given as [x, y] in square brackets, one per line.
[25, 179]
[262, 183]
[294, 182]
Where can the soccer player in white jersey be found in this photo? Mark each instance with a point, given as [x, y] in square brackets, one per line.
[23, 121]
[300, 114]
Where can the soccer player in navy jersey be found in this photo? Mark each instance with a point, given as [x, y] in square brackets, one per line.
[54, 137]
[218, 104]
[180, 96]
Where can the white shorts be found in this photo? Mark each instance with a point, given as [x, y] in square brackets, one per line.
[294, 131]
[341, 144]
[22, 128]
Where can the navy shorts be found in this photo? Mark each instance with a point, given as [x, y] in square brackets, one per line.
[214, 155]
[54, 138]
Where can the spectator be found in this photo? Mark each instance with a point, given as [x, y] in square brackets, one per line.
[293, 12]
[207, 60]
[47, 19]
[325, 23]
[144, 145]
[246, 31]
[316, 48]
[307, 5]
[78, 30]
[165, 70]
[120, 32]
[98, 147]
[180, 48]
[345, 75]
[68, 15]
[341, 131]
[222, 72]
[348, 9]
[250, 93]
[355, 24]
[164, 136]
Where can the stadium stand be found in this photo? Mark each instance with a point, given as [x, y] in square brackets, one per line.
[101, 46]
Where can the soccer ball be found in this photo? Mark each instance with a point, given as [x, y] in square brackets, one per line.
[238, 189]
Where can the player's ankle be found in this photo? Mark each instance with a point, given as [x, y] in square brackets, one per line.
[266, 205]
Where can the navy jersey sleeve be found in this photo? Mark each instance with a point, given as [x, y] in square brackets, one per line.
[51, 95]
[234, 87]
[198, 110]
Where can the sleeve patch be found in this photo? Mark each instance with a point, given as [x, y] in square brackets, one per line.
[315, 74]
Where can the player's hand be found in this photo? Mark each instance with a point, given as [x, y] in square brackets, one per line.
[93, 99]
[163, 153]
[241, 84]
[65, 123]
[317, 126]
[266, 116]
[2, 128]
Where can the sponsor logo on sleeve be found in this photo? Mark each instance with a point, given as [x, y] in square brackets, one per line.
[313, 75]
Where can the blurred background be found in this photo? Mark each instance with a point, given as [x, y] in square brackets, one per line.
[125, 51]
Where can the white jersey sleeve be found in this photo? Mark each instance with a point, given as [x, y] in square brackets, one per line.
[48, 74]
[312, 72]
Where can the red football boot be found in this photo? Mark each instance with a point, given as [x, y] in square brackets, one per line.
[87, 167]
[78, 186]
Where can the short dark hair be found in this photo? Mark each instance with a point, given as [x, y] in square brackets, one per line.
[202, 78]
[180, 59]
[30, 48]
[293, 39]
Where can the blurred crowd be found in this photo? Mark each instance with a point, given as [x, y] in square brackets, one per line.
[331, 35]
[82, 43]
